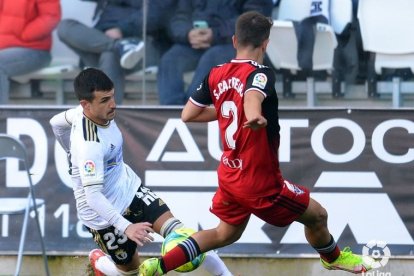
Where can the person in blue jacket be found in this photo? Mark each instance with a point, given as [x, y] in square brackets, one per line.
[201, 32]
[114, 44]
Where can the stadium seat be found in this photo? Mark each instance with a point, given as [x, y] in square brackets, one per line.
[294, 10]
[386, 28]
[56, 73]
[339, 17]
[340, 14]
[142, 86]
[12, 148]
[283, 47]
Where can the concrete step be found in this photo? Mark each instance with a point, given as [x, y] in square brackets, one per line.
[246, 266]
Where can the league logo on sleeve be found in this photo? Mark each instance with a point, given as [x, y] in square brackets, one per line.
[89, 168]
[260, 80]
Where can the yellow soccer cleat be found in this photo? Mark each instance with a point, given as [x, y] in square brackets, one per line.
[348, 261]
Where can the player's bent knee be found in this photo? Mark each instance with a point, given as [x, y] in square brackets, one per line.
[321, 217]
[319, 212]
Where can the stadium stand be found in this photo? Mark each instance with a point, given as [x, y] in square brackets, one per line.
[64, 64]
[387, 36]
[54, 83]
[283, 55]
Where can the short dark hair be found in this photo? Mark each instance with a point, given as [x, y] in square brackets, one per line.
[89, 81]
[252, 28]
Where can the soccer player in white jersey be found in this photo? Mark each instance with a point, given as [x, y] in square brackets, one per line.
[110, 199]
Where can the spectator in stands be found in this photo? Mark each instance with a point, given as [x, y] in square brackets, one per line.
[25, 38]
[347, 55]
[275, 8]
[201, 31]
[306, 15]
[363, 56]
[115, 44]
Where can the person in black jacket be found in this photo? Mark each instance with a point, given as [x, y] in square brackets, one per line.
[201, 31]
[114, 44]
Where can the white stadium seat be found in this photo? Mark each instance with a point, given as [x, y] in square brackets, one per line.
[340, 14]
[386, 31]
[388, 34]
[386, 26]
[283, 46]
[294, 10]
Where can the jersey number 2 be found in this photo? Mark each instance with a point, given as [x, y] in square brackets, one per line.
[229, 108]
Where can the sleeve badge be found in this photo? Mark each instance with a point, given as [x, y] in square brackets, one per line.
[260, 80]
[89, 168]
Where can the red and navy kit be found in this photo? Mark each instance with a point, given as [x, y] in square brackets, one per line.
[249, 164]
[249, 168]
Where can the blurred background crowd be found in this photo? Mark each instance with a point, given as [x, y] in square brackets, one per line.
[164, 48]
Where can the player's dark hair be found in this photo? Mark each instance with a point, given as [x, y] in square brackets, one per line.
[252, 28]
[89, 81]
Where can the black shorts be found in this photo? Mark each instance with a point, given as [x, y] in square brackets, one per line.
[145, 207]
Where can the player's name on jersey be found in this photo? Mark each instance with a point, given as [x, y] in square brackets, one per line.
[226, 85]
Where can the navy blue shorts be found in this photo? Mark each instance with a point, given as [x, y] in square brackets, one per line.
[145, 207]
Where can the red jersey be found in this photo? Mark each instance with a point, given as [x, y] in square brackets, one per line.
[249, 166]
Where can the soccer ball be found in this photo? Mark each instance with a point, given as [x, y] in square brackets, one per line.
[174, 238]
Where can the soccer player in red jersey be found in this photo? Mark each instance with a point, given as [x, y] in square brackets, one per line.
[241, 96]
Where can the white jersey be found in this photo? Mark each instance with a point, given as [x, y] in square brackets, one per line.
[96, 157]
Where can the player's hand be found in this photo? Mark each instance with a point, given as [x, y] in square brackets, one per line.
[255, 123]
[140, 233]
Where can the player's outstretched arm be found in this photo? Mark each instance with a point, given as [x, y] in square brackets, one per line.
[194, 113]
[253, 110]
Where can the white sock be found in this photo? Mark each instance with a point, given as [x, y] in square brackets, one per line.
[170, 225]
[214, 265]
[106, 266]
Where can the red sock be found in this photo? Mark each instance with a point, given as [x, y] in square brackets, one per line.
[173, 259]
[331, 256]
[179, 255]
[330, 252]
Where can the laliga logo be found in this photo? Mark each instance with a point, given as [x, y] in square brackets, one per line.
[376, 253]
